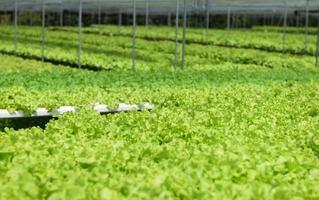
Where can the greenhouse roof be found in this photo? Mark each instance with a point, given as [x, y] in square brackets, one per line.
[165, 6]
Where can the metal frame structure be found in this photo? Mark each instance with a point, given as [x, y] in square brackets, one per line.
[230, 8]
[155, 7]
[317, 50]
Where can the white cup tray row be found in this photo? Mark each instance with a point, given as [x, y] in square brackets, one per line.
[103, 109]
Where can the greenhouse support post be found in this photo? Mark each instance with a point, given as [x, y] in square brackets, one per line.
[43, 31]
[16, 31]
[207, 20]
[233, 21]
[307, 25]
[284, 28]
[147, 12]
[184, 33]
[79, 52]
[134, 36]
[207, 14]
[317, 51]
[61, 13]
[5, 17]
[99, 15]
[228, 23]
[190, 20]
[120, 18]
[31, 17]
[169, 19]
[176, 34]
[68, 18]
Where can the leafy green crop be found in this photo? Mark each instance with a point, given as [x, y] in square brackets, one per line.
[238, 38]
[278, 29]
[115, 52]
[219, 131]
[235, 124]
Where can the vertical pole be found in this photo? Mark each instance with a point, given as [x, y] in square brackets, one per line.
[284, 28]
[43, 31]
[190, 20]
[207, 20]
[5, 17]
[207, 15]
[48, 18]
[176, 34]
[120, 18]
[61, 13]
[99, 15]
[79, 52]
[147, 13]
[169, 19]
[306, 25]
[184, 33]
[234, 21]
[317, 51]
[31, 17]
[134, 36]
[16, 27]
[228, 23]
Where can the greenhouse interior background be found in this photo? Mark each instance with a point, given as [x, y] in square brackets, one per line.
[181, 14]
[159, 99]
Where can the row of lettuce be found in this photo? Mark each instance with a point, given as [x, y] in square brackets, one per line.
[221, 132]
[52, 86]
[236, 38]
[115, 52]
[280, 29]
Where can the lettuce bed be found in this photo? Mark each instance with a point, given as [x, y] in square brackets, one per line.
[265, 38]
[114, 52]
[227, 131]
